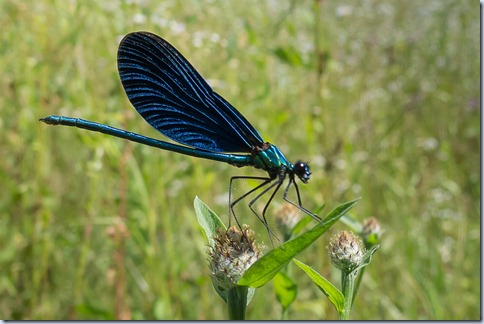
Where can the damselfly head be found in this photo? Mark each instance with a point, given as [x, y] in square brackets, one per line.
[301, 169]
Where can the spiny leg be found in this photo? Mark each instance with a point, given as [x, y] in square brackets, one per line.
[277, 183]
[300, 206]
[270, 199]
[232, 204]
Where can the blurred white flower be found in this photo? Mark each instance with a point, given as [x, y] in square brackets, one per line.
[428, 143]
[139, 18]
[177, 27]
[343, 11]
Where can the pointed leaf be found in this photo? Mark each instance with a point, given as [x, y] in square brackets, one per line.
[334, 295]
[207, 219]
[270, 264]
[367, 257]
[286, 289]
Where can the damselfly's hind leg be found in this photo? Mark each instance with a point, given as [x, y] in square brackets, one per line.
[276, 184]
[232, 204]
[262, 219]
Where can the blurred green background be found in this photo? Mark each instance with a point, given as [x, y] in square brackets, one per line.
[382, 97]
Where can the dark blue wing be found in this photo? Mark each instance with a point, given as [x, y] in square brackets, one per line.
[173, 98]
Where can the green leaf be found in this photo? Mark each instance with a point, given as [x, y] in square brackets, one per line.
[286, 289]
[270, 264]
[372, 240]
[221, 290]
[367, 257]
[207, 219]
[334, 295]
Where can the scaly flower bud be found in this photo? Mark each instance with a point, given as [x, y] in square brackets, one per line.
[234, 251]
[371, 232]
[346, 251]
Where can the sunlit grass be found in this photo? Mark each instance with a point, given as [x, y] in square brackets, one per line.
[381, 97]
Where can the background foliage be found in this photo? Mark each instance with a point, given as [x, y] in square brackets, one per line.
[381, 96]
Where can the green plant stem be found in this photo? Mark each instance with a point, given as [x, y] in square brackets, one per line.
[348, 284]
[237, 302]
[358, 282]
[284, 314]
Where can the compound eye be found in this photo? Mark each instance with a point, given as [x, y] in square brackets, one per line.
[301, 169]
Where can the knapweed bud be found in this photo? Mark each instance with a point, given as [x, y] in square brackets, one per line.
[371, 232]
[287, 216]
[233, 252]
[346, 251]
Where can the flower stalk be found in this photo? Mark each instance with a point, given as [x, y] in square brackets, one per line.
[237, 302]
[348, 285]
[346, 251]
